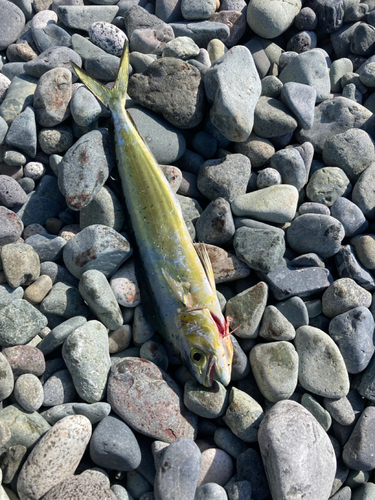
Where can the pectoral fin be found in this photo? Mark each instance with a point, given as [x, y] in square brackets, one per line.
[180, 289]
[206, 263]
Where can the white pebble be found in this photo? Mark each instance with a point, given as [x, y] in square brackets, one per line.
[125, 286]
[42, 18]
[34, 169]
[268, 177]
[4, 84]
[217, 467]
[108, 37]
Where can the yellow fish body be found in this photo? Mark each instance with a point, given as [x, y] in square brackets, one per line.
[180, 282]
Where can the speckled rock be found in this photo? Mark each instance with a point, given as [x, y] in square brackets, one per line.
[328, 184]
[108, 37]
[13, 22]
[54, 458]
[11, 226]
[28, 392]
[124, 285]
[104, 209]
[19, 94]
[83, 485]
[362, 194]
[11, 193]
[86, 355]
[19, 323]
[342, 295]
[25, 359]
[155, 391]
[6, 378]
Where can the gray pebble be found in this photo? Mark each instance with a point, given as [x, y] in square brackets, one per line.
[275, 326]
[83, 16]
[358, 452]
[243, 416]
[338, 69]
[272, 118]
[47, 246]
[340, 409]
[55, 140]
[14, 158]
[96, 247]
[83, 485]
[114, 446]
[342, 295]
[313, 467]
[364, 250]
[58, 273]
[348, 266]
[206, 402]
[321, 234]
[105, 209]
[300, 99]
[350, 91]
[229, 442]
[6, 378]
[97, 293]
[64, 300]
[291, 166]
[271, 86]
[202, 32]
[196, 10]
[22, 132]
[156, 353]
[238, 490]
[321, 415]
[49, 36]
[12, 24]
[11, 227]
[85, 107]
[204, 144]
[328, 184]
[20, 322]
[59, 390]
[53, 58]
[28, 392]
[240, 362]
[182, 47]
[270, 19]
[322, 369]
[350, 216]
[362, 194]
[102, 67]
[11, 193]
[215, 225]
[8, 294]
[268, 177]
[27, 184]
[258, 149]
[19, 94]
[250, 469]
[210, 491]
[364, 492]
[85, 348]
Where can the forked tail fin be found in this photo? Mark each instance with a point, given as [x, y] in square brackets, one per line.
[118, 91]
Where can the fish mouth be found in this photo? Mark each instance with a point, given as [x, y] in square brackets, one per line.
[210, 371]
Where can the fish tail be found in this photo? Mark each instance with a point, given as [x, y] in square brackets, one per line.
[104, 94]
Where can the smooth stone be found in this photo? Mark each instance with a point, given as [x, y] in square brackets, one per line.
[205, 402]
[55, 140]
[52, 96]
[5, 434]
[250, 469]
[125, 286]
[273, 204]
[155, 352]
[226, 177]
[114, 446]
[328, 184]
[296, 450]
[52, 58]
[95, 412]
[342, 295]
[54, 458]
[22, 132]
[177, 470]
[291, 166]
[307, 260]
[85, 107]
[362, 194]
[167, 10]
[102, 67]
[182, 47]
[322, 369]
[20, 322]
[270, 19]
[350, 216]
[275, 326]
[97, 293]
[196, 10]
[6, 378]
[258, 149]
[364, 247]
[28, 392]
[104, 209]
[229, 442]
[348, 266]
[358, 452]
[334, 116]
[338, 69]
[19, 95]
[89, 160]
[12, 28]
[238, 490]
[215, 225]
[364, 492]
[47, 246]
[83, 16]
[272, 118]
[154, 389]
[84, 485]
[11, 227]
[58, 273]
[240, 362]
[217, 467]
[166, 141]
[59, 389]
[161, 78]
[321, 415]
[246, 310]
[64, 300]
[202, 32]
[143, 330]
[366, 72]
[340, 410]
[8, 294]
[219, 80]
[260, 249]
[268, 177]
[320, 234]
[96, 247]
[210, 490]
[87, 346]
[225, 265]
[26, 428]
[25, 359]
[353, 151]
[243, 416]
[275, 368]
[119, 339]
[50, 35]
[11, 193]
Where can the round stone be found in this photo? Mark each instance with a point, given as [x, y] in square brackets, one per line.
[28, 392]
[270, 19]
[342, 295]
[206, 402]
[328, 184]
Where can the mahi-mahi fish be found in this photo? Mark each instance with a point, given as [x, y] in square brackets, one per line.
[179, 275]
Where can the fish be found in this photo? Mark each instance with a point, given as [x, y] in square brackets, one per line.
[178, 274]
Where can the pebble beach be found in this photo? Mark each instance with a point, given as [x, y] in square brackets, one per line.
[261, 116]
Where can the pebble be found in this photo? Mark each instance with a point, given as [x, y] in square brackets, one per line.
[54, 459]
[96, 247]
[225, 265]
[362, 195]
[104, 209]
[300, 99]
[350, 216]
[348, 266]
[28, 392]
[119, 339]
[182, 47]
[11, 193]
[342, 295]
[97, 293]
[125, 287]
[290, 163]
[272, 118]
[321, 415]
[82, 484]
[25, 359]
[108, 37]
[20, 322]
[148, 419]
[7, 378]
[22, 132]
[215, 225]
[270, 19]
[311, 452]
[275, 326]
[47, 246]
[64, 300]
[243, 416]
[205, 402]
[202, 32]
[85, 348]
[59, 389]
[221, 76]
[340, 410]
[358, 453]
[210, 490]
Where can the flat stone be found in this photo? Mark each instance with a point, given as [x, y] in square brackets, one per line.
[97, 293]
[258, 149]
[95, 412]
[83, 16]
[246, 310]
[260, 249]
[11, 193]
[322, 369]
[272, 118]
[85, 107]
[348, 266]
[182, 47]
[296, 450]
[85, 168]
[157, 89]
[243, 416]
[155, 390]
[358, 452]
[12, 25]
[275, 368]
[276, 203]
[340, 409]
[83, 485]
[55, 457]
[85, 348]
[96, 247]
[300, 99]
[22, 132]
[350, 216]
[19, 323]
[362, 194]
[103, 67]
[320, 234]
[64, 300]
[19, 95]
[239, 106]
[51, 35]
[275, 326]
[342, 295]
[104, 209]
[52, 58]
[202, 32]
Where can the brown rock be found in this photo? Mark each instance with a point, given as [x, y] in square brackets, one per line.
[226, 266]
[84, 487]
[25, 359]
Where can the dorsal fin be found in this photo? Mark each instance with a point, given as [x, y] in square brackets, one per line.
[206, 263]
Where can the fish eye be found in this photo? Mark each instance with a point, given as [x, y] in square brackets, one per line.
[198, 357]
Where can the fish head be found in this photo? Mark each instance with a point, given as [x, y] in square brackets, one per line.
[205, 346]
